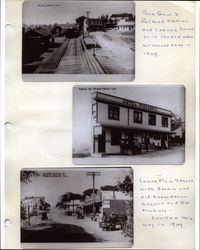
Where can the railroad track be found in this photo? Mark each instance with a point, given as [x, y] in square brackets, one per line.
[93, 64]
[71, 57]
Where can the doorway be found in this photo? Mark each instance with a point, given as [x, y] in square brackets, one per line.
[102, 142]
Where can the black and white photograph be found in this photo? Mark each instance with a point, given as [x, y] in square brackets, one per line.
[81, 40]
[129, 124]
[77, 205]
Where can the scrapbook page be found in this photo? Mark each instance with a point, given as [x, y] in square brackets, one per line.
[100, 102]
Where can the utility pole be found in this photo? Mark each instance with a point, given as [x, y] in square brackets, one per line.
[87, 13]
[93, 174]
[29, 216]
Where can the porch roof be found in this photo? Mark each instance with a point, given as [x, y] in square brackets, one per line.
[138, 129]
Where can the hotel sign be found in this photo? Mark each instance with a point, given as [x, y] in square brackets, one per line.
[133, 104]
[140, 105]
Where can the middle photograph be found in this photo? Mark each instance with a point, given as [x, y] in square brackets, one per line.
[129, 124]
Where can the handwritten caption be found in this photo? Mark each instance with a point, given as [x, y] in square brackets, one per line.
[165, 202]
[163, 30]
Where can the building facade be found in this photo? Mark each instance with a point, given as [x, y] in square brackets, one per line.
[89, 200]
[93, 24]
[108, 202]
[31, 205]
[118, 17]
[120, 125]
[73, 205]
[115, 202]
[124, 25]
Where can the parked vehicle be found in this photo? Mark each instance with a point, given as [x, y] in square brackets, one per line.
[130, 147]
[114, 222]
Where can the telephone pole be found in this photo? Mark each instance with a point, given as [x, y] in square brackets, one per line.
[93, 174]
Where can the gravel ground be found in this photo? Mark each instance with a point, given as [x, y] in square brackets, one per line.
[116, 53]
[91, 227]
[174, 156]
[85, 226]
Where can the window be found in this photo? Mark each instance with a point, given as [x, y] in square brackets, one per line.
[137, 116]
[152, 119]
[165, 121]
[113, 112]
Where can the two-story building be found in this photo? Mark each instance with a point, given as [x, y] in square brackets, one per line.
[89, 200]
[93, 24]
[31, 205]
[123, 16]
[116, 119]
[125, 26]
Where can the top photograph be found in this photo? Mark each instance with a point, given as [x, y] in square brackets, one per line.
[79, 40]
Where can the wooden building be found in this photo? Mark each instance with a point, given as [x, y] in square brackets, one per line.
[124, 25]
[117, 122]
[31, 205]
[123, 16]
[93, 24]
[89, 200]
[35, 42]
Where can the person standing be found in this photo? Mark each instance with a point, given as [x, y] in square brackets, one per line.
[146, 143]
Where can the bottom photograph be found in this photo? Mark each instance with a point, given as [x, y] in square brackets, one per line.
[77, 205]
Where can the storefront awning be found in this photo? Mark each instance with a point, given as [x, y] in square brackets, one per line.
[138, 129]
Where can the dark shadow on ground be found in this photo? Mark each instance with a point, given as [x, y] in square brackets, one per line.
[57, 233]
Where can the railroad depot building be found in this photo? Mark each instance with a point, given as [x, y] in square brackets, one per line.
[120, 126]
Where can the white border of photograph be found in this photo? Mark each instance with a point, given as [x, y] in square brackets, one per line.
[124, 138]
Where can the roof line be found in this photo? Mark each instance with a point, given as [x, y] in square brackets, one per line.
[131, 100]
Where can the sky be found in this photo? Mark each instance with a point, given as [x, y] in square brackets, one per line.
[51, 11]
[74, 180]
[165, 96]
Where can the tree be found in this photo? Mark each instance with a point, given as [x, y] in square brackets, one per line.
[126, 186]
[176, 122]
[104, 20]
[56, 30]
[66, 198]
[25, 176]
[44, 205]
[88, 192]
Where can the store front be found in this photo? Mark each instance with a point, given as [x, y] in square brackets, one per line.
[116, 140]
[121, 126]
